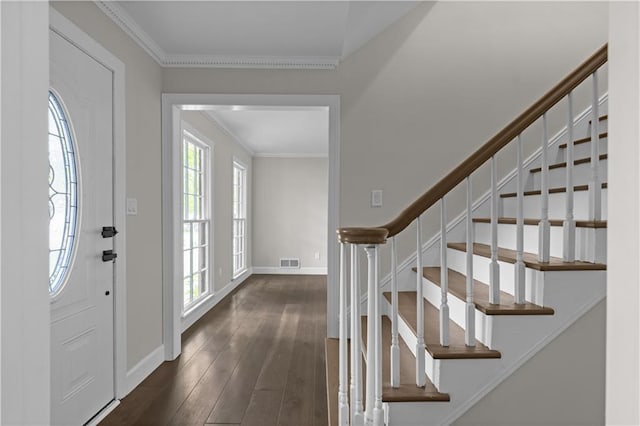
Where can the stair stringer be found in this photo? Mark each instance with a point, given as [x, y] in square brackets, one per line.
[571, 293]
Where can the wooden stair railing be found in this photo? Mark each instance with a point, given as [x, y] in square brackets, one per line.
[370, 239]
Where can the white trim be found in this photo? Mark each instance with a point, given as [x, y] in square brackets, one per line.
[144, 368]
[259, 62]
[504, 374]
[130, 27]
[291, 155]
[124, 20]
[24, 298]
[80, 39]
[274, 270]
[103, 413]
[172, 104]
[199, 310]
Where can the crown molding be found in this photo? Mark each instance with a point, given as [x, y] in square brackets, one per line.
[242, 61]
[122, 19]
[290, 155]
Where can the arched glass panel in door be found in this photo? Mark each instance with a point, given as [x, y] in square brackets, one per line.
[63, 195]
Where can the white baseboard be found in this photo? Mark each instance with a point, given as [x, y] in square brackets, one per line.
[274, 270]
[146, 366]
[196, 313]
[103, 413]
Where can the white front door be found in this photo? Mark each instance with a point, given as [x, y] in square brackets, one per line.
[80, 205]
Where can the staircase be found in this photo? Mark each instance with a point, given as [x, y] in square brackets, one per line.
[513, 271]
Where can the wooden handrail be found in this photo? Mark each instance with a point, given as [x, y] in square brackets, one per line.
[489, 149]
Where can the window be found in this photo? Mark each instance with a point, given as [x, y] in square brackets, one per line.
[196, 219]
[63, 195]
[239, 219]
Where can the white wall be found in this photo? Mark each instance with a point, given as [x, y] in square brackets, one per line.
[24, 222]
[623, 269]
[290, 212]
[224, 150]
[563, 384]
[144, 244]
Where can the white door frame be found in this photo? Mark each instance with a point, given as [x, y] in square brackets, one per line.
[65, 28]
[172, 105]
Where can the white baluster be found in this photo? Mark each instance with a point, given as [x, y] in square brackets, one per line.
[595, 188]
[544, 227]
[421, 375]
[470, 319]
[494, 271]
[378, 413]
[519, 266]
[395, 343]
[343, 402]
[444, 277]
[569, 224]
[371, 335]
[357, 417]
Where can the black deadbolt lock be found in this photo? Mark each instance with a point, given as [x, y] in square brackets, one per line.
[109, 231]
[108, 256]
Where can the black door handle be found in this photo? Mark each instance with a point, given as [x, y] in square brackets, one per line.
[109, 255]
[109, 231]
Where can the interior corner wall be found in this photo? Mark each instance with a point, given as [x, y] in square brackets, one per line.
[143, 85]
[623, 243]
[224, 151]
[290, 199]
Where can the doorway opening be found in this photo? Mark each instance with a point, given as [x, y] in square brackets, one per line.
[268, 186]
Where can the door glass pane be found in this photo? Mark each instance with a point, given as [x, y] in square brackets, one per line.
[63, 195]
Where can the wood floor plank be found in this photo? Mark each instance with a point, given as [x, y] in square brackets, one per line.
[246, 338]
[263, 408]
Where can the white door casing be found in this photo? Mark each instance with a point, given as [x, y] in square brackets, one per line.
[82, 347]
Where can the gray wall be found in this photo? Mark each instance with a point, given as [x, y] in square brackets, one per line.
[224, 151]
[290, 211]
[415, 101]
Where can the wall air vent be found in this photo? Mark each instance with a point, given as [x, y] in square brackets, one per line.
[289, 263]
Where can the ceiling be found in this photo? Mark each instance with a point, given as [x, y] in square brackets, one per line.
[258, 34]
[265, 34]
[276, 131]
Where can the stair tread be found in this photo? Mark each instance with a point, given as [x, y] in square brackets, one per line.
[530, 259]
[601, 118]
[553, 222]
[407, 391]
[564, 164]
[456, 349]
[458, 287]
[551, 191]
[585, 140]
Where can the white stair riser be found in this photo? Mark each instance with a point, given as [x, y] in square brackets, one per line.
[457, 260]
[583, 150]
[590, 243]
[557, 207]
[457, 309]
[558, 177]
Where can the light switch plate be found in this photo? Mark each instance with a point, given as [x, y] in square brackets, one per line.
[376, 198]
[132, 206]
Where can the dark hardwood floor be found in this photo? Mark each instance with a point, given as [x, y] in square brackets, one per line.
[256, 359]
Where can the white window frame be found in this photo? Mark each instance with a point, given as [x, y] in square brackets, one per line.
[201, 142]
[242, 209]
